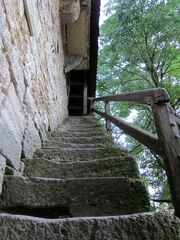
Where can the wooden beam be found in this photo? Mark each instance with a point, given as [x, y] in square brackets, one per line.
[91, 104]
[85, 97]
[155, 95]
[108, 112]
[167, 122]
[147, 139]
[168, 128]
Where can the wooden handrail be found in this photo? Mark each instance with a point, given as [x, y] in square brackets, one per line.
[167, 123]
[147, 139]
[155, 95]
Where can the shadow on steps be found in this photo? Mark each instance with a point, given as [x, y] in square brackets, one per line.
[56, 212]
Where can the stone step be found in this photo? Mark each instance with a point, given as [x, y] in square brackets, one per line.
[73, 120]
[110, 167]
[78, 134]
[86, 126]
[80, 124]
[147, 226]
[81, 196]
[85, 154]
[80, 140]
[59, 144]
[78, 129]
[81, 128]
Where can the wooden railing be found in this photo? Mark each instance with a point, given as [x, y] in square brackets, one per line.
[167, 122]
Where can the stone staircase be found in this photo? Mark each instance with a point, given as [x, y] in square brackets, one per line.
[73, 186]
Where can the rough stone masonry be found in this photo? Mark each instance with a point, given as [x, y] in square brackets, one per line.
[33, 96]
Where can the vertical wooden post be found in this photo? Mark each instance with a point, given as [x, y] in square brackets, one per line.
[68, 86]
[91, 104]
[168, 129]
[108, 111]
[85, 97]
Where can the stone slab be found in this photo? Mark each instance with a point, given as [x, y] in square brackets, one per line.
[109, 167]
[82, 196]
[60, 144]
[86, 154]
[86, 126]
[147, 226]
[11, 128]
[31, 140]
[91, 128]
[79, 134]
[80, 140]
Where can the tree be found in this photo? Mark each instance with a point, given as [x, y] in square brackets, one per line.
[140, 45]
[139, 49]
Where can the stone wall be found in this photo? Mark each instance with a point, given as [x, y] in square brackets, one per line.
[33, 95]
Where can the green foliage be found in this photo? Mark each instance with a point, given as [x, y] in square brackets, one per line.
[139, 46]
[140, 49]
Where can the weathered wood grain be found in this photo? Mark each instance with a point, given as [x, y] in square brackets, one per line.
[165, 122]
[148, 96]
[85, 97]
[147, 139]
[108, 111]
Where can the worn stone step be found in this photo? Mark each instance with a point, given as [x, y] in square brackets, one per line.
[59, 144]
[80, 140]
[147, 226]
[78, 134]
[78, 130]
[86, 126]
[85, 154]
[82, 119]
[82, 128]
[81, 196]
[79, 124]
[111, 167]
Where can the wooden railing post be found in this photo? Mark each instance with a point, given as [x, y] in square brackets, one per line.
[91, 104]
[108, 111]
[168, 130]
[85, 97]
[167, 122]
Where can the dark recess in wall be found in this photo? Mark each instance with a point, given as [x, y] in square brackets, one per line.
[77, 77]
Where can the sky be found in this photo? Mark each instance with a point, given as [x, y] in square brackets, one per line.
[102, 16]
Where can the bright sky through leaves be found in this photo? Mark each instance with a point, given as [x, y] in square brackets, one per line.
[102, 15]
